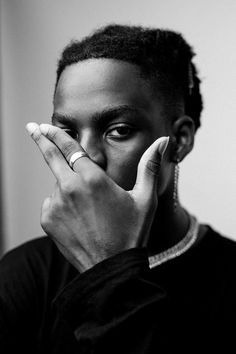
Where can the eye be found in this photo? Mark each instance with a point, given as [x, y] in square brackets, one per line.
[120, 131]
[73, 133]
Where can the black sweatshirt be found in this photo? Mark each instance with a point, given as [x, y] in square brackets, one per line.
[186, 305]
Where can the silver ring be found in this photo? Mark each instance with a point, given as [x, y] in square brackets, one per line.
[77, 155]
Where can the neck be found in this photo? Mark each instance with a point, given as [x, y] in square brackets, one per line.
[168, 228]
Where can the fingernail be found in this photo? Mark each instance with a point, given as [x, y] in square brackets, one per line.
[163, 144]
[44, 128]
[31, 127]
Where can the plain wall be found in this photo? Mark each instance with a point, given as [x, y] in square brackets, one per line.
[33, 33]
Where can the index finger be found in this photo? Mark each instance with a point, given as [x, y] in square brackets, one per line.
[68, 146]
[50, 152]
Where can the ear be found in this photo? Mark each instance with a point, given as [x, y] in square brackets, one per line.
[183, 132]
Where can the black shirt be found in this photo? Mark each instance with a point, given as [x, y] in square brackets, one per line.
[186, 305]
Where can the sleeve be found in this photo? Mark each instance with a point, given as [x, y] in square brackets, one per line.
[115, 307]
[19, 302]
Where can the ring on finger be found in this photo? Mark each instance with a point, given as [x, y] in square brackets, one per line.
[77, 155]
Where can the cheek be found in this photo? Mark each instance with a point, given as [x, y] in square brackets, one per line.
[123, 170]
[122, 166]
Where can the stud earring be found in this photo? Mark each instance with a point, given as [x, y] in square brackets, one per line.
[175, 189]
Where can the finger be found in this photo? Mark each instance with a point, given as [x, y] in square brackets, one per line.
[149, 169]
[50, 152]
[44, 221]
[67, 146]
[45, 207]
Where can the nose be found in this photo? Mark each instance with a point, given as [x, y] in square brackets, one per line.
[93, 145]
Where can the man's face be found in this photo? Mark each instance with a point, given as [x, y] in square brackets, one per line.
[113, 114]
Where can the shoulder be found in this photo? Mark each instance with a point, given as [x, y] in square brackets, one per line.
[23, 278]
[222, 243]
[34, 270]
[35, 262]
[28, 262]
[38, 250]
[218, 250]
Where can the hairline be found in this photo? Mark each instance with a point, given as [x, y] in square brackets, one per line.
[173, 105]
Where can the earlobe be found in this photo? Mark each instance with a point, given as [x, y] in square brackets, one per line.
[183, 132]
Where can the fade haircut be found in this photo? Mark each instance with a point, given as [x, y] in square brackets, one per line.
[163, 56]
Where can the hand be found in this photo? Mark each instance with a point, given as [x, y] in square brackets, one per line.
[90, 217]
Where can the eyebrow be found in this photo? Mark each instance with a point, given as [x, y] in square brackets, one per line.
[103, 117]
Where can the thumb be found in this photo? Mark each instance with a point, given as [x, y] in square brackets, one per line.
[148, 170]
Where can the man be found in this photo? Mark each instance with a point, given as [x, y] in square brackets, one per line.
[135, 272]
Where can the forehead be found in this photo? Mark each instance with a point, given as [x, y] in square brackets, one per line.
[95, 84]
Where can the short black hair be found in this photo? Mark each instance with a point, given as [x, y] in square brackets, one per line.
[160, 53]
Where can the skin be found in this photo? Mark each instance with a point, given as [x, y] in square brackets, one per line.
[121, 196]
[94, 86]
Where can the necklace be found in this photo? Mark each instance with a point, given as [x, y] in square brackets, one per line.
[178, 249]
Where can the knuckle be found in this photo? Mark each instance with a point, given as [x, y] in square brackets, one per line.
[36, 135]
[95, 181]
[68, 188]
[50, 152]
[68, 149]
[49, 216]
[45, 216]
[153, 166]
[52, 133]
[45, 221]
